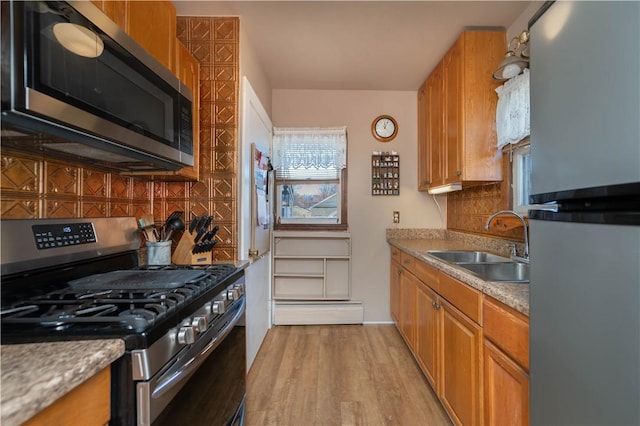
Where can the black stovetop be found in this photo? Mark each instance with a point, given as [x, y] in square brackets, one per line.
[53, 311]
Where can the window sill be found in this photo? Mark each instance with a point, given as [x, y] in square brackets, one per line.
[309, 227]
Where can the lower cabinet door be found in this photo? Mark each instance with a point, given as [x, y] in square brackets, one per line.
[408, 307]
[460, 384]
[394, 291]
[506, 389]
[427, 312]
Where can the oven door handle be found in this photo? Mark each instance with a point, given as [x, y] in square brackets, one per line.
[197, 360]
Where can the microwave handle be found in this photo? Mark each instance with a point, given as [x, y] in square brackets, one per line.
[197, 360]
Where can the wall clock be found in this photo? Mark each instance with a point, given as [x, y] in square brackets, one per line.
[384, 128]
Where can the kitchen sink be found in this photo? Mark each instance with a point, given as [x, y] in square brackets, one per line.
[453, 256]
[508, 272]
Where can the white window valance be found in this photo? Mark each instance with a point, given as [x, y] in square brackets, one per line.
[513, 122]
[309, 153]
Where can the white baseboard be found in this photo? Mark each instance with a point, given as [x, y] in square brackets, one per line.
[313, 313]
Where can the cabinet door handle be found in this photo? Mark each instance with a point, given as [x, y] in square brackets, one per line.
[437, 306]
[458, 173]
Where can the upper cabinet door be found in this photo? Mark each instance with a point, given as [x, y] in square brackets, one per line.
[435, 132]
[460, 135]
[153, 25]
[453, 112]
[423, 147]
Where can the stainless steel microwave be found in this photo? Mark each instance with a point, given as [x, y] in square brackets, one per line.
[75, 86]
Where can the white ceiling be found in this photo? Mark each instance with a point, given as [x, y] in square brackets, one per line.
[354, 45]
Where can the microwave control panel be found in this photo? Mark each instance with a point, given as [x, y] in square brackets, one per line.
[62, 235]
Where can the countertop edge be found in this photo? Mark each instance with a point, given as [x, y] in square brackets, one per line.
[35, 375]
[514, 295]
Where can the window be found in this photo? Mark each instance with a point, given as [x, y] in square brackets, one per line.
[310, 177]
[521, 168]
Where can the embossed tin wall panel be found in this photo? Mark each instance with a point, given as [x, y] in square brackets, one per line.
[36, 188]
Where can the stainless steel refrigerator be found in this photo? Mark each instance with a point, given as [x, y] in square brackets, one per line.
[585, 273]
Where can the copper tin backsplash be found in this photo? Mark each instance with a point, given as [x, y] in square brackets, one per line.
[34, 187]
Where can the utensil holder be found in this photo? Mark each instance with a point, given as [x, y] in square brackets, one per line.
[158, 253]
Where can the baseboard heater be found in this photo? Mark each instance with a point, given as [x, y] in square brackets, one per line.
[312, 313]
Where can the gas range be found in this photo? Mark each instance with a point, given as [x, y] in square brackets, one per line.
[70, 294]
[79, 279]
[137, 305]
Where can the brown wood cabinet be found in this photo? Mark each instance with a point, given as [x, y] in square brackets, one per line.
[428, 332]
[461, 345]
[153, 25]
[506, 389]
[472, 349]
[394, 290]
[88, 404]
[506, 362]
[423, 148]
[408, 292]
[460, 132]
[431, 130]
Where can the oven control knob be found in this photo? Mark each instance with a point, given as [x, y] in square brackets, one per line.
[200, 323]
[233, 294]
[186, 335]
[240, 288]
[218, 307]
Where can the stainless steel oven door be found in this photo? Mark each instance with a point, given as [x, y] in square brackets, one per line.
[206, 386]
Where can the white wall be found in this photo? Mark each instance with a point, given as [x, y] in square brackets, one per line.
[369, 216]
[251, 68]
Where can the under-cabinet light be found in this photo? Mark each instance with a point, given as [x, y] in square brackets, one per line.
[445, 188]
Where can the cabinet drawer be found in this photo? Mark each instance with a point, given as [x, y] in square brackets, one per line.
[395, 254]
[427, 274]
[463, 297]
[408, 261]
[508, 329]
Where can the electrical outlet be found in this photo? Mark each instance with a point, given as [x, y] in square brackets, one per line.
[396, 217]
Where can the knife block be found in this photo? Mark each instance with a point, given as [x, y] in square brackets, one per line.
[183, 255]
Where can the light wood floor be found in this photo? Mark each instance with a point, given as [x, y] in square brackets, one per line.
[338, 375]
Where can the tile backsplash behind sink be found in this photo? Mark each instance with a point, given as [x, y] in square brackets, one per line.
[35, 187]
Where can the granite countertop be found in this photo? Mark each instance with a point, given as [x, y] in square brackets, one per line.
[515, 295]
[37, 374]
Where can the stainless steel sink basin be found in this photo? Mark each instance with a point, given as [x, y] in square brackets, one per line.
[468, 256]
[509, 272]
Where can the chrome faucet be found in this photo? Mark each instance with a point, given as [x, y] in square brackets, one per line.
[525, 256]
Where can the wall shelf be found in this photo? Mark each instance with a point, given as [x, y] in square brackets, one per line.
[385, 174]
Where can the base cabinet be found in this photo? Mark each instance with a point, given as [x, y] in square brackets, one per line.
[394, 290]
[88, 404]
[461, 346]
[427, 332]
[506, 365]
[472, 349]
[408, 291]
[506, 389]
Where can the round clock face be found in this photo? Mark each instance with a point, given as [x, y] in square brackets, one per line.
[384, 128]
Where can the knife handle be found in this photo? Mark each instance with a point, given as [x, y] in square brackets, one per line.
[207, 222]
[193, 224]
